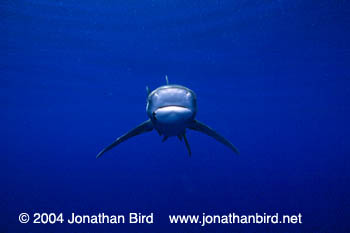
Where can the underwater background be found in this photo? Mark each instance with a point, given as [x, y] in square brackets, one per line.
[273, 77]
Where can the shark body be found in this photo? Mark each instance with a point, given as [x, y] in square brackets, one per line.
[171, 110]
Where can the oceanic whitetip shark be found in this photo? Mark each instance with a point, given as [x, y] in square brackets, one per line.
[171, 110]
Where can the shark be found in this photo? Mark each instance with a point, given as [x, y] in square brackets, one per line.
[171, 110]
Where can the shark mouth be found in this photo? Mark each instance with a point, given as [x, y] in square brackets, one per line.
[172, 114]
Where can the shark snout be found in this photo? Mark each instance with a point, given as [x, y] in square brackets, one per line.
[173, 115]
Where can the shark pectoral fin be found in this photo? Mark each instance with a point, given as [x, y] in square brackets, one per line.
[187, 145]
[201, 127]
[142, 128]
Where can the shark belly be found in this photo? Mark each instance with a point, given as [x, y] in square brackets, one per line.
[172, 120]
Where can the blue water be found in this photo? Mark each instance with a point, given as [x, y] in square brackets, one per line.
[271, 76]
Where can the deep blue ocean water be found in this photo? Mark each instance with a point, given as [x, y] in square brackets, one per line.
[271, 76]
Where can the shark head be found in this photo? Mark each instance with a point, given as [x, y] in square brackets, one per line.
[171, 108]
